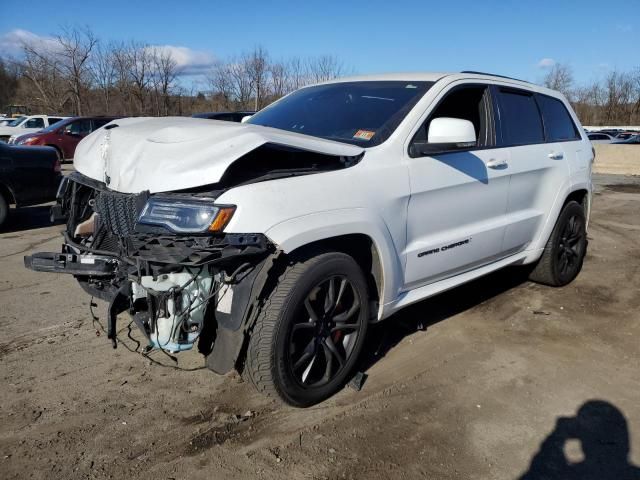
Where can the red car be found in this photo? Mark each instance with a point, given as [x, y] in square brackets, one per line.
[65, 135]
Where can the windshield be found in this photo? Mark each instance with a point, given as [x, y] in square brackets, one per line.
[16, 122]
[362, 113]
[55, 126]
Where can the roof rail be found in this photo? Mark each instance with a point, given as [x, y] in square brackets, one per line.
[493, 75]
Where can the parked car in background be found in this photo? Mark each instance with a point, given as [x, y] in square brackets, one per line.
[64, 135]
[28, 176]
[635, 140]
[600, 138]
[612, 132]
[227, 116]
[625, 135]
[27, 124]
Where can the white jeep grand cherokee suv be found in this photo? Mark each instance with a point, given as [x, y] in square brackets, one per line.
[273, 244]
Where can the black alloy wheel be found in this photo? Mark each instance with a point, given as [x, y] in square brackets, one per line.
[309, 334]
[323, 339]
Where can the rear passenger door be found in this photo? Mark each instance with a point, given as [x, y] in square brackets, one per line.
[539, 167]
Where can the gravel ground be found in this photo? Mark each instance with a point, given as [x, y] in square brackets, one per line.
[495, 379]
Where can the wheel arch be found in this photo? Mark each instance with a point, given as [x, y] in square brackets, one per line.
[362, 249]
[8, 195]
[57, 149]
[357, 233]
[579, 193]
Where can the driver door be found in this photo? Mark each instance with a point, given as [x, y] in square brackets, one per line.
[457, 211]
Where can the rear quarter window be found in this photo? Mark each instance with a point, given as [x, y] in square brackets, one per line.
[519, 118]
[558, 125]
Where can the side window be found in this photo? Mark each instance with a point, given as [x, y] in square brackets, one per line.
[34, 123]
[519, 118]
[466, 102]
[53, 120]
[80, 127]
[558, 124]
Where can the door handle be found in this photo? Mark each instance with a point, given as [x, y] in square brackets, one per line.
[556, 155]
[493, 163]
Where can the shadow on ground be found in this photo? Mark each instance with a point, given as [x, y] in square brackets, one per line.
[27, 218]
[383, 337]
[602, 432]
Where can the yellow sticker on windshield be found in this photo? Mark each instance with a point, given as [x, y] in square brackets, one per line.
[364, 134]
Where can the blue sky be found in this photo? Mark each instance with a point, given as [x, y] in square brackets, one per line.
[510, 38]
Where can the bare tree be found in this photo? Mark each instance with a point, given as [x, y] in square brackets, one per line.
[40, 67]
[9, 75]
[122, 64]
[104, 69]
[280, 79]
[74, 49]
[74, 72]
[324, 67]
[257, 69]
[164, 75]
[560, 77]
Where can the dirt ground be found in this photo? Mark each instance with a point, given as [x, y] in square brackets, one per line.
[465, 385]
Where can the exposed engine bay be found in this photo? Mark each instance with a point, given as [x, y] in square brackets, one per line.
[180, 290]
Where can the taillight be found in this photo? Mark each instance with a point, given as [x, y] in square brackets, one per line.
[57, 166]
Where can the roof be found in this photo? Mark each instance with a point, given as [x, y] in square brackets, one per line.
[435, 76]
[399, 76]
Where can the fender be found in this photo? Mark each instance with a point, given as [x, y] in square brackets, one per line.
[568, 187]
[299, 231]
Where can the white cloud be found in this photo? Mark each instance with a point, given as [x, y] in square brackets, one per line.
[546, 63]
[11, 42]
[188, 61]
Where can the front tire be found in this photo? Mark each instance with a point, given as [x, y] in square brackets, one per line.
[4, 210]
[310, 331]
[564, 252]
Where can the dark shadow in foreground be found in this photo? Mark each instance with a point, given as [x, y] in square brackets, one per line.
[602, 432]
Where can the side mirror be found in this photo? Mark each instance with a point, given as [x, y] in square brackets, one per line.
[446, 134]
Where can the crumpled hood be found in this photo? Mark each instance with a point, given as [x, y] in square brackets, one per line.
[174, 153]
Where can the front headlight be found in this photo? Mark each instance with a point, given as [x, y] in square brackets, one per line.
[25, 141]
[186, 216]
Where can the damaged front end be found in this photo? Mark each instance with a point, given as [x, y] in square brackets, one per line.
[164, 259]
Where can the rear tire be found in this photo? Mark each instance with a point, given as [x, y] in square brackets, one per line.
[310, 331]
[564, 252]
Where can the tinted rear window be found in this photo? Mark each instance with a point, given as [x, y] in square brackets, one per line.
[558, 124]
[519, 118]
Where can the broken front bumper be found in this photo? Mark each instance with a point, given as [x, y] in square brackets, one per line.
[179, 289]
[74, 264]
